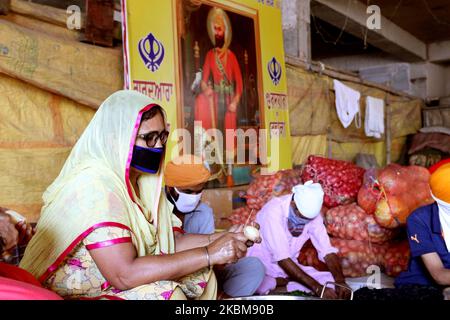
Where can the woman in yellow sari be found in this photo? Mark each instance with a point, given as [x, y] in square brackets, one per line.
[106, 228]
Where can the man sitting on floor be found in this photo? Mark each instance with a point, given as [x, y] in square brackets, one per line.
[287, 223]
[185, 178]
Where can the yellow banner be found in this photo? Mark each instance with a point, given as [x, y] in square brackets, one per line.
[212, 65]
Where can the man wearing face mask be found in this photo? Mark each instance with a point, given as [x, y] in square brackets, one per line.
[428, 230]
[287, 222]
[429, 236]
[185, 178]
[184, 187]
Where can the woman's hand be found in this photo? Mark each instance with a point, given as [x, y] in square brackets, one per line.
[240, 228]
[26, 232]
[236, 228]
[8, 234]
[228, 249]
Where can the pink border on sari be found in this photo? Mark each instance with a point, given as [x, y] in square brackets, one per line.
[105, 285]
[108, 243]
[74, 243]
[176, 229]
[106, 296]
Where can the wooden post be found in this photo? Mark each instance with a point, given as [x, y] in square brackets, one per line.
[388, 131]
[5, 6]
[304, 30]
[296, 29]
[100, 22]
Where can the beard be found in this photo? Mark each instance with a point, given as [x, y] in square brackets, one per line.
[220, 41]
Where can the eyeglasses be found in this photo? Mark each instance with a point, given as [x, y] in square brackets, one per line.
[152, 137]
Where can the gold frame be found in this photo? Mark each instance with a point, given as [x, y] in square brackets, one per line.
[235, 7]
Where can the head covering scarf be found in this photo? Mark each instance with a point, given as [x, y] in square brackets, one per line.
[93, 190]
[440, 182]
[440, 188]
[309, 198]
[186, 171]
[436, 166]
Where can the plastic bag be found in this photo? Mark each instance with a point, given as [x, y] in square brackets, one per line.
[265, 187]
[242, 215]
[350, 222]
[395, 193]
[340, 180]
[397, 258]
[355, 256]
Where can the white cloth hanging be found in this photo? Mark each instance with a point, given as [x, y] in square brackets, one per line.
[347, 104]
[374, 120]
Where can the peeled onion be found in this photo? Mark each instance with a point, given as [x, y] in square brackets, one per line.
[251, 233]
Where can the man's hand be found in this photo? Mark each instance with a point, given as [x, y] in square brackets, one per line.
[8, 232]
[232, 107]
[333, 263]
[343, 293]
[329, 294]
[207, 90]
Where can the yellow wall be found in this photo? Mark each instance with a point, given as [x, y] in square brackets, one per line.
[37, 132]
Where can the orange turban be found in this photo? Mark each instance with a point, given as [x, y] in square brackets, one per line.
[436, 166]
[440, 183]
[186, 171]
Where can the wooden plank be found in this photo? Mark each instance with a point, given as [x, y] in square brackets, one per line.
[62, 4]
[56, 16]
[42, 27]
[41, 12]
[99, 22]
[342, 75]
[81, 72]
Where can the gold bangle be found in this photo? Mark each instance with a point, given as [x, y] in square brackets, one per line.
[207, 257]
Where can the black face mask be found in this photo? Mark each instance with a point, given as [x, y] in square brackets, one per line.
[147, 159]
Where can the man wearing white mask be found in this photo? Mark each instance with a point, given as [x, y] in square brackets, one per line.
[428, 230]
[286, 224]
[185, 177]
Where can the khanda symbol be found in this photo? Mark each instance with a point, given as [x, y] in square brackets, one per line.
[152, 52]
[274, 68]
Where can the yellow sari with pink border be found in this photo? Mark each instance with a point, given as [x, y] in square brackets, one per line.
[93, 191]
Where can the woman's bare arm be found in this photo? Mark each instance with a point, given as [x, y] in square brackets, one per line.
[188, 241]
[122, 268]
